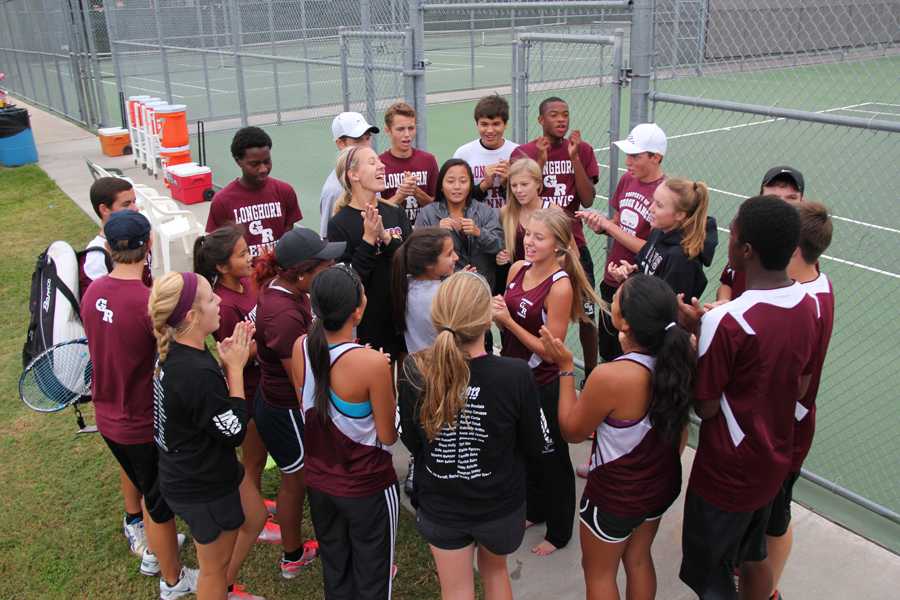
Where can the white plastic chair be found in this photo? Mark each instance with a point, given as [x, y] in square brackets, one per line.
[171, 224]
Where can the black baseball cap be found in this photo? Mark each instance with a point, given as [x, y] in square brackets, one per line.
[300, 244]
[127, 226]
[789, 173]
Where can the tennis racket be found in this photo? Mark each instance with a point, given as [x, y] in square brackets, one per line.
[58, 377]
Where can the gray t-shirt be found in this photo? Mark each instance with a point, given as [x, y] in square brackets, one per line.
[330, 193]
[420, 332]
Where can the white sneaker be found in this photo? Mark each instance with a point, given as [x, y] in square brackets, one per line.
[149, 562]
[186, 584]
[136, 536]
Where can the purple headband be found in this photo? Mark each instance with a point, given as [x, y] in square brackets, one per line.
[185, 300]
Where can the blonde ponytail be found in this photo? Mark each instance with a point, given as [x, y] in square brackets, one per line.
[460, 312]
[560, 225]
[693, 200]
[163, 299]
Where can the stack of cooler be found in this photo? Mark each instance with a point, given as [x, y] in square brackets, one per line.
[16, 140]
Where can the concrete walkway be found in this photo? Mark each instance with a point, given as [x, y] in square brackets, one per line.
[828, 561]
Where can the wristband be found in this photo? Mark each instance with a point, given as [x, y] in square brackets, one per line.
[567, 373]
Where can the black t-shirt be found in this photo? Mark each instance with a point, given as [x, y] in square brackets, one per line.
[373, 264]
[663, 257]
[197, 427]
[475, 471]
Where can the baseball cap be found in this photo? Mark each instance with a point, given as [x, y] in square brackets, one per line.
[127, 226]
[789, 173]
[646, 137]
[351, 124]
[301, 244]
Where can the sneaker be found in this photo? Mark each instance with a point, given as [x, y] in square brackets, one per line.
[186, 584]
[583, 470]
[136, 536]
[271, 533]
[271, 507]
[239, 593]
[290, 569]
[408, 482]
[149, 562]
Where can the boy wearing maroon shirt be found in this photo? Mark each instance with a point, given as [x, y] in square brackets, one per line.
[410, 174]
[570, 172]
[123, 352]
[815, 237]
[786, 183]
[755, 362]
[265, 206]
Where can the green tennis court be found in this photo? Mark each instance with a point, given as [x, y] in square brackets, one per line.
[853, 171]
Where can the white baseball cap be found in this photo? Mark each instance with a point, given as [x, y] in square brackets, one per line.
[646, 137]
[351, 124]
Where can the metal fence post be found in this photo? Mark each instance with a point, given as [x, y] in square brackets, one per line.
[163, 57]
[520, 91]
[303, 32]
[94, 63]
[615, 112]
[417, 22]
[642, 48]
[345, 75]
[472, 48]
[275, 82]
[111, 33]
[365, 19]
[238, 62]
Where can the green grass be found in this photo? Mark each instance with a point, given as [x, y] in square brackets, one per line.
[60, 506]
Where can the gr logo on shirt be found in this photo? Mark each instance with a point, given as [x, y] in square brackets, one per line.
[101, 305]
[524, 305]
[254, 217]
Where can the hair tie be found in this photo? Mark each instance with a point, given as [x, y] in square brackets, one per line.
[448, 329]
[185, 300]
[670, 325]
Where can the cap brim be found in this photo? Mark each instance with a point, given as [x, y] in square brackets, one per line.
[331, 251]
[361, 132]
[627, 147]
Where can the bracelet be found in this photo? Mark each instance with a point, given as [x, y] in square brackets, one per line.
[567, 373]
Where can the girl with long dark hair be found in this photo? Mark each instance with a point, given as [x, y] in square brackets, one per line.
[477, 235]
[347, 395]
[284, 277]
[637, 406]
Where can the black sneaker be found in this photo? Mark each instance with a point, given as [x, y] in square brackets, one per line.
[408, 482]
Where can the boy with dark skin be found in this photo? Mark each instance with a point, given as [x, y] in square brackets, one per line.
[570, 172]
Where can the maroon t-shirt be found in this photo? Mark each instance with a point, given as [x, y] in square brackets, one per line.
[266, 214]
[559, 178]
[805, 415]
[233, 309]
[527, 309]
[632, 200]
[123, 354]
[421, 164]
[753, 352]
[281, 317]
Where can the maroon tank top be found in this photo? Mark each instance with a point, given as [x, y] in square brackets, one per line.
[633, 470]
[527, 309]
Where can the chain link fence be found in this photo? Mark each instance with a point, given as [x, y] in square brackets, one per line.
[742, 86]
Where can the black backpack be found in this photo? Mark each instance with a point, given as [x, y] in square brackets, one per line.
[48, 287]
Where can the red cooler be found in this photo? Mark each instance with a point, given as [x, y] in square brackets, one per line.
[190, 183]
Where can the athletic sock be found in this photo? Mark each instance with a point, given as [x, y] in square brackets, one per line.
[293, 556]
[131, 519]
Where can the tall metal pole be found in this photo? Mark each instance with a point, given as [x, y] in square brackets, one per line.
[163, 57]
[472, 48]
[94, 62]
[642, 49]
[304, 35]
[238, 61]
[365, 19]
[111, 32]
[615, 110]
[417, 23]
[275, 83]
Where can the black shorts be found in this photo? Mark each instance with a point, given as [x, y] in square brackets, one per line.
[501, 536]
[208, 520]
[281, 430]
[587, 263]
[780, 518]
[715, 542]
[141, 463]
[608, 336]
[610, 528]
